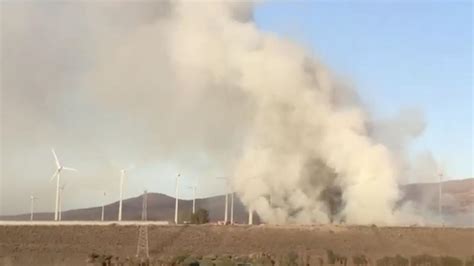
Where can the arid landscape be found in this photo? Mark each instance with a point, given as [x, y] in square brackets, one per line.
[236, 132]
[72, 245]
[458, 206]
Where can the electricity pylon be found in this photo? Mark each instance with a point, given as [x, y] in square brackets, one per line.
[440, 199]
[142, 246]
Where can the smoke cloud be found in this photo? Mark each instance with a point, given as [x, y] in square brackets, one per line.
[200, 86]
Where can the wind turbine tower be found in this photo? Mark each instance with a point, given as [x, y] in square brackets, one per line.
[57, 175]
[226, 206]
[227, 201]
[123, 175]
[176, 200]
[61, 192]
[142, 245]
[232, 207]
[32, 206]
[250, 207]
[440, 194]
[194, 197]
[103, 205]
[250, 215]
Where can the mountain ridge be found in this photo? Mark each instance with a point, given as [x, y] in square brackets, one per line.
[457, 202]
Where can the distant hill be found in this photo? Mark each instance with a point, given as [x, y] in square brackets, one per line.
[160, 208]
[458, 205]
[458, 195]
[457, 200]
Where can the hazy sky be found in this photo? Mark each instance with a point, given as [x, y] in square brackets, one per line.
[399, 54]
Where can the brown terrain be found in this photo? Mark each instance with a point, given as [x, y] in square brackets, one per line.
[71, 245]
[458, 206]
[75, 244]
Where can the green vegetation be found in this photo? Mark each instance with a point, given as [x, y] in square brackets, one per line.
[180, 259]
[200, 217]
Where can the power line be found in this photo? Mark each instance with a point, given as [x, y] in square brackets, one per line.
[142, 245]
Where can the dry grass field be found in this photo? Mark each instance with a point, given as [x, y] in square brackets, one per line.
[71, 245]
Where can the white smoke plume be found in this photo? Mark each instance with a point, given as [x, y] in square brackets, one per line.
[199, 84]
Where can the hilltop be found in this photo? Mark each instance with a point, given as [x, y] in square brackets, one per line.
[458, 204]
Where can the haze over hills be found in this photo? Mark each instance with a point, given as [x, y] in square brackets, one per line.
[457, 200]
[458, 206]
[458, 195]
[160, 208]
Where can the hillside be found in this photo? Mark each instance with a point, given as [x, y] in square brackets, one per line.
[458, 195]
[72, 245]
[458, 205]
[160, 207]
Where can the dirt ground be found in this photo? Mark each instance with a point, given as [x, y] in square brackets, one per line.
[71, 245]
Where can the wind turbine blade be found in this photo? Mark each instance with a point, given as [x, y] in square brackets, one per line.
[125, 170]
[70, 169]
[54, 175]
[56, 159]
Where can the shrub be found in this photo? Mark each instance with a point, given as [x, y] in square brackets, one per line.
[359, 260]
[200, 217]
[333, 258]
[423, 260]
[393, 261]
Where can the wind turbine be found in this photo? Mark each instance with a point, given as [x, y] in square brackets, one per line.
[123, 175]
[250, 207]
[440, 193]
[250, 216]
[232, 207]
[194, 187]
[57, 175]
[32, 206]
[102, 214]
[61, 191]
[227, 202]
[194, 197]
[176, 204]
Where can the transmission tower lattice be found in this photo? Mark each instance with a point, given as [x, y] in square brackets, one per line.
[142, 246]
